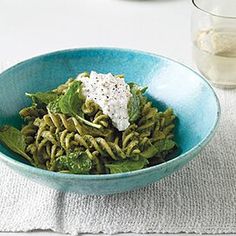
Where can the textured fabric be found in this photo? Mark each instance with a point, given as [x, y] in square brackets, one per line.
[199, 198]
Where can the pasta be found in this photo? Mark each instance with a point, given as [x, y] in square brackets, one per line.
[87, 142]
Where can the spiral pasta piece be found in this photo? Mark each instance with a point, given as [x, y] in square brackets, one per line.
[90, 107]
[31, 113]
[130, 141]
[29, 131]
[164, 125]
[100, 145]
[101, 119]
[61, 89]
[147, 123]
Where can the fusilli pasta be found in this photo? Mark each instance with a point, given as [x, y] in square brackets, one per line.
[59, 141]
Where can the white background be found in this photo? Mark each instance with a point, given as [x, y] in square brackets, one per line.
[33, 27]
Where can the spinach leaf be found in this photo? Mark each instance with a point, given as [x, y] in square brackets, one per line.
[165, 145]
[127, 165]
[136, 102]
[42, 98]
[72, 101]
[158, 147]
[144, 89]
[76, 163]
[134, 108]
[14, 140]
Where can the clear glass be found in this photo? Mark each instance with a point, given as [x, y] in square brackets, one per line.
[214, 40]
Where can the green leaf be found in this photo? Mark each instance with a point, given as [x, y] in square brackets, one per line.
[127, 165]
[42, 98]
[143, 90]
[28, 111]
[136, 102]
[165, 145]
[72, 101]
[134, 108]
[150, 152]
[14, 140]
[76, 163]
[158, 147]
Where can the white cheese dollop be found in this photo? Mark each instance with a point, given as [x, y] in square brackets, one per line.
[111, 93]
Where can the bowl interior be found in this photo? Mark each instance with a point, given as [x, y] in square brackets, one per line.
[170, 85]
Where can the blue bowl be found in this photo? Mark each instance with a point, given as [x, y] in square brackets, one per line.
[170, 85]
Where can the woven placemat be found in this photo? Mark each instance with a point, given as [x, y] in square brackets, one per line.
[199, 198]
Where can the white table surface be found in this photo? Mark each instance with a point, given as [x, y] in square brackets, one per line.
[33, 27]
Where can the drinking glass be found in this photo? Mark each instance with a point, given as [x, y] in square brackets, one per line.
[214, 40]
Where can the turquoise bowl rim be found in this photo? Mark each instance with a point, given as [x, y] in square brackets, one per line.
[195, 149]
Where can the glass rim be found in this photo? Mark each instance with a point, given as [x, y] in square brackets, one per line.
[210, 13]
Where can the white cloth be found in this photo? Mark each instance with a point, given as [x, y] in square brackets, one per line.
[199, 198]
